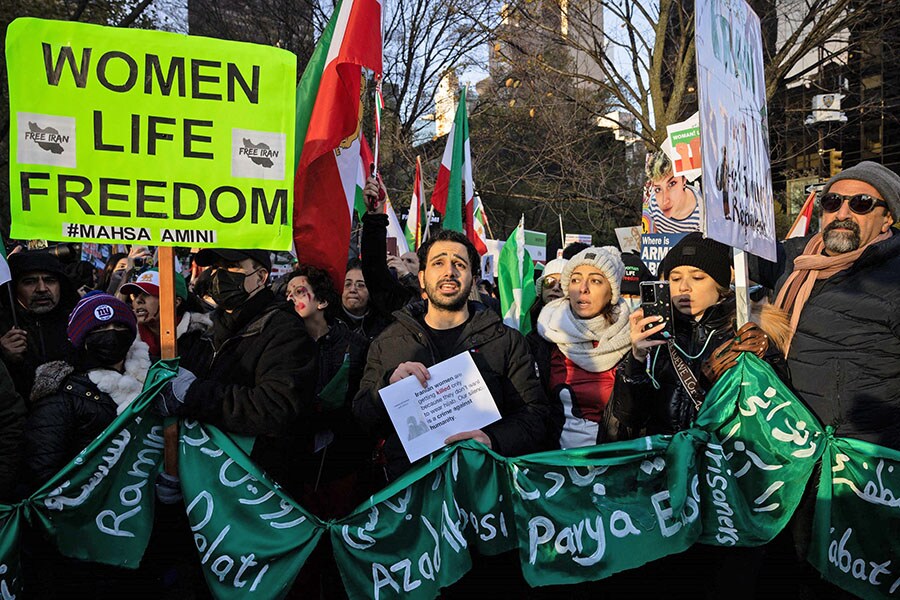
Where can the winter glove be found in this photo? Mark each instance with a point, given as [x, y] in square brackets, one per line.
[170, 401]
[168, 488]
[749, 338]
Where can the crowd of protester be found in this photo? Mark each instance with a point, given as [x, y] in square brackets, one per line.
[299, 364]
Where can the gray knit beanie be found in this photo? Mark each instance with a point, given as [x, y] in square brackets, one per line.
[607, 259]
[879, 177]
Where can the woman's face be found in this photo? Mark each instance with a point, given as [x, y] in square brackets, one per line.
[145, 307]
[300, 294]
[589, 291]
[693, 291]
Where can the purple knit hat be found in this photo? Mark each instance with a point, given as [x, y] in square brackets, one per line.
[95, 310]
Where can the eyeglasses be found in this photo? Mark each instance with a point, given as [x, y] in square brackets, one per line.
[550, 282]
[861, 204]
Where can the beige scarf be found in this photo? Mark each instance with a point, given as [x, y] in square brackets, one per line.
[809, 267]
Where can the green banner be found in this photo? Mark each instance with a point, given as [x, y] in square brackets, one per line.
[763, 446]
[588, 513]
[856, 528]
[577, 515]
[251, 537]
[134, 136]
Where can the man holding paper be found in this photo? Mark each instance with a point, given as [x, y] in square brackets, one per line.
[444, 326]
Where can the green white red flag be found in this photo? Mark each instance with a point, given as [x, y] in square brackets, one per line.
[5, 274]
[413, 229]
[515, 278]
[328, 124]
[476, 223]
[456, 168]
[801, 225]
[394, 229]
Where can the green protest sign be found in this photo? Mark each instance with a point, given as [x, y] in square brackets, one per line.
[250, 536]
[99, 507]
[763, 446]
[415, 536]
[125, 135]
[856, 528]
[587, 513]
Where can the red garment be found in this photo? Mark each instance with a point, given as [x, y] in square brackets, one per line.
[151, 339]
[591, 390]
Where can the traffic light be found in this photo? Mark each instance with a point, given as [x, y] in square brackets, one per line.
[836, 162]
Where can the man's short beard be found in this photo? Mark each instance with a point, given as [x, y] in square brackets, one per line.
[841, 242]
[455, 305]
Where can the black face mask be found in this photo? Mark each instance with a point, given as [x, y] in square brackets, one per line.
[108, 347]
[227, 289]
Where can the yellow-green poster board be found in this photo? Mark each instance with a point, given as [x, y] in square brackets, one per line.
[132, 136]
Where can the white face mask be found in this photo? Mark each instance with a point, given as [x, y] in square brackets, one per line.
[632, 303]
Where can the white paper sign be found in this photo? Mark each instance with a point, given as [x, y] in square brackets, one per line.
[456, 399]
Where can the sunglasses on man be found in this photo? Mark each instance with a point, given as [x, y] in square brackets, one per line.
[861, 204]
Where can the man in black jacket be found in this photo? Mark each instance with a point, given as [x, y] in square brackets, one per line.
[426, 333]
[842, 288]
[44, 297]
[254, 372]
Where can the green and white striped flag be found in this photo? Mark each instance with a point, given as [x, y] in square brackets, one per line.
[516, 280]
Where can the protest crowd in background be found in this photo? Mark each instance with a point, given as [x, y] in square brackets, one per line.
[313, 387]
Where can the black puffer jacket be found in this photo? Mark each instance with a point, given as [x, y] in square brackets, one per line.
[502, 358]
[844, 360]
[67, 412]
[12, 427]
[638, 407]
[256, 373]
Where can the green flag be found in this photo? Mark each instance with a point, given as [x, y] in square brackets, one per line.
[763, 446]
[856, 529]
[516, 281]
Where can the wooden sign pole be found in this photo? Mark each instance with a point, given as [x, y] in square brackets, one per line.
[168, 344]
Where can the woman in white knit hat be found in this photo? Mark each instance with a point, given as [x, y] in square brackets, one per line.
[586, 334]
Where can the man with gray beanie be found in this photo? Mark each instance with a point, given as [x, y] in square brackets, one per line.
[841, 287]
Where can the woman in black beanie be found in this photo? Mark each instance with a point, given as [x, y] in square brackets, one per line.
[649, 396]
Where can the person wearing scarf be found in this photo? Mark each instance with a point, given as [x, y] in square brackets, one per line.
[585, 335]
[842, 289]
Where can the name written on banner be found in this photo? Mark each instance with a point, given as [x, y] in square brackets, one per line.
[172, 147]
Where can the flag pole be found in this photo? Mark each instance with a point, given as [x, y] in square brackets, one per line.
[377, 122]
[12, 304]
[562, 234]
[168, 344]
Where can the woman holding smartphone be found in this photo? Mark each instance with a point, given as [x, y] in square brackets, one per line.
[654, 393]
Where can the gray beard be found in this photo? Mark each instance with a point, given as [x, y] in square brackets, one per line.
[841, 242]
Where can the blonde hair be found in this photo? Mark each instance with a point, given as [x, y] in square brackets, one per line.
[658, 166]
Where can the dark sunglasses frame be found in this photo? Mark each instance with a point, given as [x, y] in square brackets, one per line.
[861, 204]
[550, 282]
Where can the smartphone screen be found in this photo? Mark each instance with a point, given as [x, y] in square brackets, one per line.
[392, 248]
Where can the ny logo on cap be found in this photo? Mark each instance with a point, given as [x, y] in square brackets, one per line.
[104, 312]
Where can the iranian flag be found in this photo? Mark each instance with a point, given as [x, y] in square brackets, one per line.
[476, 222]
[456, 168]
[394, 229]
[515, 271]
[329, 115]
[5, 274]
[413, 230]
[801, 226]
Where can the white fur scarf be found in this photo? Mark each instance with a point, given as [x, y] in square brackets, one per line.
[575, 337]
[123, 388]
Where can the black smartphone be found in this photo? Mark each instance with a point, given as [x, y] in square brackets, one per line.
[657, 302]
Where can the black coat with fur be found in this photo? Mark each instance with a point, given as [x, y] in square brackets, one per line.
[67, 412]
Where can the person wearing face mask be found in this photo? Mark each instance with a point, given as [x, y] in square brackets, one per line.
[71, 404]
[635, 272]
[580, 339]
[254, 372]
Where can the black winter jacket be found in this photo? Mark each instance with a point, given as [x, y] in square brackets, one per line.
[386, 294]
[502, 357]
[638, 408]
[12, 427]
[67, 412]
[47, 342]
[259, 380]
[844, 359]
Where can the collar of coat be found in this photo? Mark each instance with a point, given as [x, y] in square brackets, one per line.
[483, 325]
